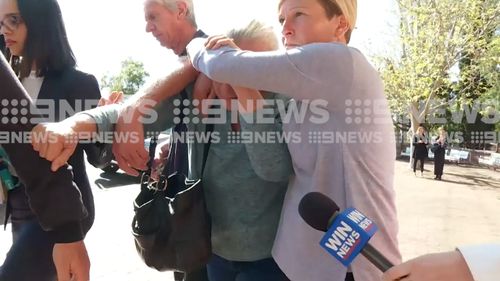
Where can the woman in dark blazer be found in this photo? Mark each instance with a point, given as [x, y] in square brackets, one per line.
[439, 148]
[420, 152]
[36, 42]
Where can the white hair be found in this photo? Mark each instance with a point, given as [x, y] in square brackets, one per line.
[253, 31]
[172, 6]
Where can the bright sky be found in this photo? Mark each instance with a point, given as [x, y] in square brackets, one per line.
[105, 32]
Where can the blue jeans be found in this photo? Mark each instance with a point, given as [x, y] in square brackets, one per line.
[220, 269]
[30, 257]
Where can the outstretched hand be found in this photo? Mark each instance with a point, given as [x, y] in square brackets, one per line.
[218, 41]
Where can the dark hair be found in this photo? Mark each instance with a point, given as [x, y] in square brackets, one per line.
[46, 44]
[3, 48]
[14, 61]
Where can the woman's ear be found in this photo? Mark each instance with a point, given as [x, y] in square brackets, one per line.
[342, 28]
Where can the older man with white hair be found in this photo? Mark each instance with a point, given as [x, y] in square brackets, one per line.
[172, 23]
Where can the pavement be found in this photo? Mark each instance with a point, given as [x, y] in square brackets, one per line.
[462, 209]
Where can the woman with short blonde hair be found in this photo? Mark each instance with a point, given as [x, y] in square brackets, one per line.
[346, 148]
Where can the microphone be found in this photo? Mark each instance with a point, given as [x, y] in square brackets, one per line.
[347, 233]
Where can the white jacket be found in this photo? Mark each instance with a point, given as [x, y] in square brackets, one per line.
[483, 261]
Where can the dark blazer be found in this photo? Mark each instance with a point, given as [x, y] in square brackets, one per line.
[420, 151]
[74, 87]
[59, 204]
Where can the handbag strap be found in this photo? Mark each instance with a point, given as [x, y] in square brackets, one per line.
[206, 149]
[146, 175]
[209, 129]
[170, 162]
[172, 155]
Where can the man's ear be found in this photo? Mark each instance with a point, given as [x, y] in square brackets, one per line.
[182, 9]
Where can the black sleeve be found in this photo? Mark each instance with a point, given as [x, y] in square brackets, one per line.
[415, 140]
[53, 197]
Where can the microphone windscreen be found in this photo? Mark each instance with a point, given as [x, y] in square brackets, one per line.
[316, 209]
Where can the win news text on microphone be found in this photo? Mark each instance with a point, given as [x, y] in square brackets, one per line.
[347, 233]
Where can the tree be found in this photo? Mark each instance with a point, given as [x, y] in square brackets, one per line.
[131, 77]
[448, 59]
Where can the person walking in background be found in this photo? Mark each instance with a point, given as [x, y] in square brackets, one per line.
[439, 148]
[420, 152]
[40, 55]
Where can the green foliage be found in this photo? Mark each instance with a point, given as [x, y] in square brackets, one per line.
[131, 77]
[449, 52]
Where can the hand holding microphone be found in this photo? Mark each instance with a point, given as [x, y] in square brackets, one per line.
[347, 233]
[449, 266]
[476, 262]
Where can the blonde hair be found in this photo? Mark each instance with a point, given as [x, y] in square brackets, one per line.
[348, 8]
[253, 31]
[421, 127]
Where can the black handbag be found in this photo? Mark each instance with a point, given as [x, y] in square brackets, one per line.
[171, 225]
